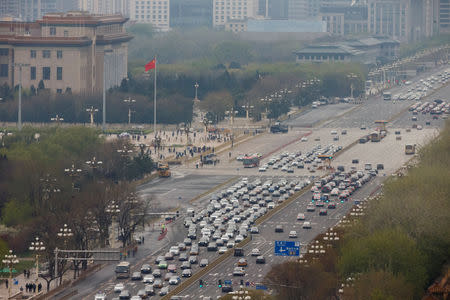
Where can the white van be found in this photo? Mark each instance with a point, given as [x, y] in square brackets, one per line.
[368, 167]
[334, 192]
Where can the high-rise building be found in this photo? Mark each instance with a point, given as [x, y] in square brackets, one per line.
[405, 20]
[303, 9]
[444, 16]
[104, 7]
[191, 13]
[68, 52]
[155, 12]
[31, 10]
[226, 10]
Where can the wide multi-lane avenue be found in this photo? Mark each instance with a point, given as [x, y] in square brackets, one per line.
[244, 194]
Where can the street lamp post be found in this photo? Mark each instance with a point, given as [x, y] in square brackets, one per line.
[65, 233]
[73, 172]
[114, 210]
[196, 88]
[130, 102]
[10, 260]
[351, 77]
[104, 88]
[19, 117]
[91, 112]
[232, 113]
[57, 119]
[37, 246]
[94, 163]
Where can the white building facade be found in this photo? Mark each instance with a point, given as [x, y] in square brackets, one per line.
[226, 10]
[155, 12]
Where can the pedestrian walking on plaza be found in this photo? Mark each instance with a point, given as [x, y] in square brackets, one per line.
[6, 282]
[34, 287]
[39, 287]
[28, 274]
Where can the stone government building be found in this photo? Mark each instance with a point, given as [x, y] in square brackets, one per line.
[70, 51]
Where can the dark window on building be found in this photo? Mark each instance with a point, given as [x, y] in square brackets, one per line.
[45, 53]
[52, 30]
[33, 53]
[58, 73]
[66, 33]
[4, 70]
[59, 54]
[59, 91]
[33, 73]
[46, 73]
[4, 52]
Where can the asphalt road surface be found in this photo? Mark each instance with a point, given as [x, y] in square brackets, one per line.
[189, 182]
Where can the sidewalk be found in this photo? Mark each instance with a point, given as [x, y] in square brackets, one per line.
[19, 281]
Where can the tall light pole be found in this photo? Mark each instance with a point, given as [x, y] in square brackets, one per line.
[91, 112]
[104, 88]
[57, 119]
[37, 246]
[19, 117]
[232, 113]
[10, 260]
[129, 101]
[196, 88]
[351, 77]
[73, 172]
[65, 233]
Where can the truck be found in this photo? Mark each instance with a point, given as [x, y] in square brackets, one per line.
[278, 127]
[123, 270]
[210, 159]
[163, 170]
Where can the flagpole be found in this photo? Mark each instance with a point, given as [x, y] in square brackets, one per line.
[154, 101]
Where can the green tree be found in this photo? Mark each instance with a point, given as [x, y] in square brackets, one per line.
[233, 51]
[389, 250]
[15, 213]
[379, 285]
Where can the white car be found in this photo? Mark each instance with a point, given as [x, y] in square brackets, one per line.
[174, 250]
[174, 280]
[100, 296]
[304, 139]
[222, 250]
[119, 288]
[306, 225]
[292, 234]
[256, 252]
[148, 279]
[301, 217]
[262, 169]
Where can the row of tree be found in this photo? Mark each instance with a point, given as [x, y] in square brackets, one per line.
[52, 177]
[394, 251]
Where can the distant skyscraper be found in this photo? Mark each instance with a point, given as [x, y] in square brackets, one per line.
[155, 12]
[444, 16]
[191, 13]
[104, 7]
[225, 10]
[303, 9]
[402, 19]
[30, 10]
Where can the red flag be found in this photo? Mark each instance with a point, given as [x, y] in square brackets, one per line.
[150, 65]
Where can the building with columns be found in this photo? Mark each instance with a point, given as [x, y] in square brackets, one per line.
[69, 52]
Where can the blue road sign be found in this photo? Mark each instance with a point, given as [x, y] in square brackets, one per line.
[287, 248]
[261, 287]
[227, 282]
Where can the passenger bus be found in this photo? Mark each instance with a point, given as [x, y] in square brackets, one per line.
[251, 161]
[387, 96]
[123, 270]
[410, 149]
